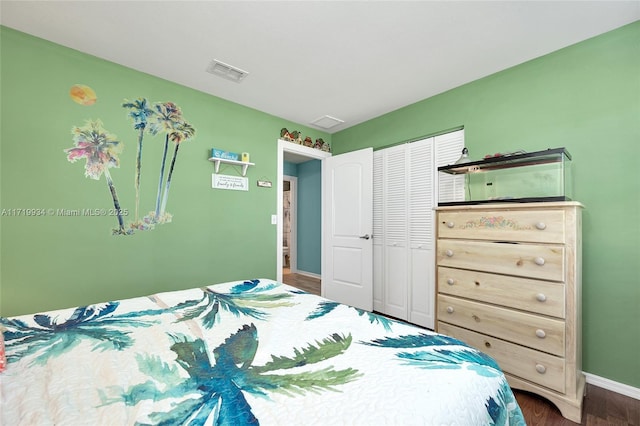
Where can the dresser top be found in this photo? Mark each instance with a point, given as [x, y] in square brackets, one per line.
[514, 206]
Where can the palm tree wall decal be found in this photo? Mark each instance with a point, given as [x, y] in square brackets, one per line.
[168, 116]
[139, 113]
[183, 132]
[100, 149]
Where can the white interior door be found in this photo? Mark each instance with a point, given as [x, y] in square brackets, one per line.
[347, 245]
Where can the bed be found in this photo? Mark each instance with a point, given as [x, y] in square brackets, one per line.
[246, 352]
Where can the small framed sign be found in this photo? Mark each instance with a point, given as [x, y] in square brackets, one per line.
[233, 183]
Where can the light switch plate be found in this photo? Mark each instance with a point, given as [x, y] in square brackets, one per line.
[274, 219]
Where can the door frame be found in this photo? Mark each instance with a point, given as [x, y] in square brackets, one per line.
[298, 151]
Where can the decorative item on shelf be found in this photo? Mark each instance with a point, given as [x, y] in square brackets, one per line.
[296, 137]
[284, 134]
[245, 157]
[224, 155]
[293, 136]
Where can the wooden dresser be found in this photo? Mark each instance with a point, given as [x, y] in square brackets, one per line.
[509, 283]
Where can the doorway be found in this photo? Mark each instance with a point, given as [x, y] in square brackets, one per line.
[294, 153]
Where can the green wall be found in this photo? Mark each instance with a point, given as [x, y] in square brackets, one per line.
[56, 261]
[586, 98]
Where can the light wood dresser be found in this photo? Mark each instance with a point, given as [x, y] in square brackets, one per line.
[509, 284]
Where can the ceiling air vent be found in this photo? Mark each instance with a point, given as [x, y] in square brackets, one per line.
[326, 122]
[227, 71]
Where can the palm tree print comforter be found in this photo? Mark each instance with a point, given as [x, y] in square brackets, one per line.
[242, 353]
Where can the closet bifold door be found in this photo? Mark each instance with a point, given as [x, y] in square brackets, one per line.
[404, 198]
[378, 232]
[396, 259]
[420, 204]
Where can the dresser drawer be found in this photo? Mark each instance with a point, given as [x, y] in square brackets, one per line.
[537, 332]
[540, 297]
[538, 367]
[541, 226]
[525, 260]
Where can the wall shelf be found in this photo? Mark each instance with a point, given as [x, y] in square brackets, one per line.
[244, 164]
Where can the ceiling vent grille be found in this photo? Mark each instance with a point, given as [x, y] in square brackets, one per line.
[326, 122]
[227, 71]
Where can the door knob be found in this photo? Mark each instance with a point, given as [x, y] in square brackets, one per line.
[365, 236]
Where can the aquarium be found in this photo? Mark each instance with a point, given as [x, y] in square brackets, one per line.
[520, 177]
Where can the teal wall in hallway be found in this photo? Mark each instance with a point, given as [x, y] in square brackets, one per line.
[309, 216]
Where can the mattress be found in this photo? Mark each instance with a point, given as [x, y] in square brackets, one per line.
[240, 353]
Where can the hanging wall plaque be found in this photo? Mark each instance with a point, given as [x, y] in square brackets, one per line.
[233, 183]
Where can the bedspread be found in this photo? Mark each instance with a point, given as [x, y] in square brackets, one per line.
[247, 352]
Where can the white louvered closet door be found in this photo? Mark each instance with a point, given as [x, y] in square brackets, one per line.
[395, 232]
[405, 192]
[420, 204]
[378, 231]
[448, 148]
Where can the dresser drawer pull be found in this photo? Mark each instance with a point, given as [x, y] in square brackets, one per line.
[487, 344]
[539, 261]
[449, 253]
[450, 309]
[450, 224]
[540, 333]
[450, 281]
[541, 368]
[540, 297]
[541, 226]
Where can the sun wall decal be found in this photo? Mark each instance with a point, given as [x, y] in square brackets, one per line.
[83, 95]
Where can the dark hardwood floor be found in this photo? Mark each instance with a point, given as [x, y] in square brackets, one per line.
[303, 282]
[601, 407]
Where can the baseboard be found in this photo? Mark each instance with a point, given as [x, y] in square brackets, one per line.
[616, 387]
[307, 274]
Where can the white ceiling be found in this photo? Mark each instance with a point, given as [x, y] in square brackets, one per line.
[306, 59]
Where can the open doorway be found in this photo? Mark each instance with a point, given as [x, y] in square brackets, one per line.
[296, 154]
